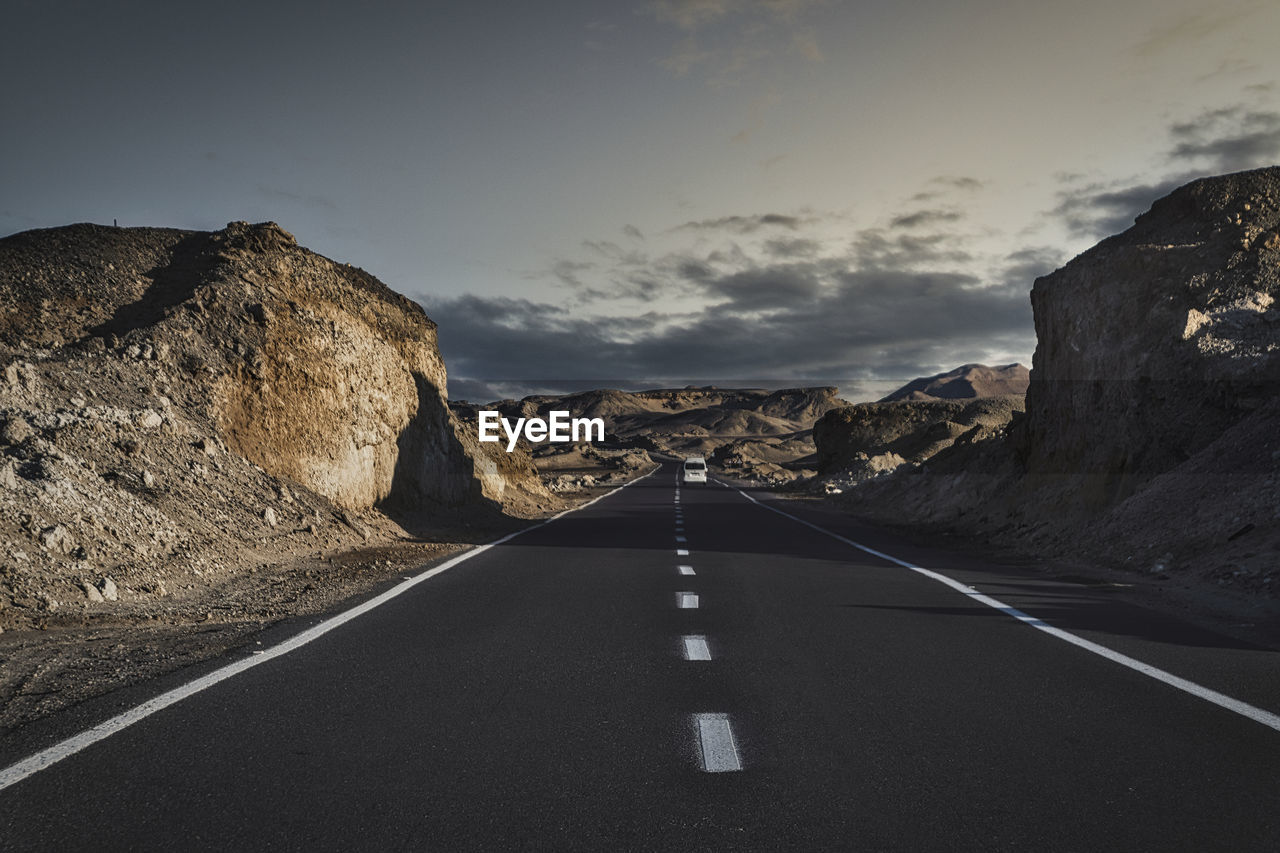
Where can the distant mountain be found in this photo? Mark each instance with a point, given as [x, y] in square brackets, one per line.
[754, 426]
[966, 382]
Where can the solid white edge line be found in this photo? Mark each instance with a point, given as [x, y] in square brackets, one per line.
[33, 764]
[1259, 715]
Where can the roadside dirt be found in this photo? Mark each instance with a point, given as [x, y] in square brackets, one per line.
[66, 660]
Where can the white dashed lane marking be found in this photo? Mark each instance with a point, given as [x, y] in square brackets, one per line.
[685, 570]
[687, 600]
[718, 751]
[682, 552]
[695, 648]
[681, 539]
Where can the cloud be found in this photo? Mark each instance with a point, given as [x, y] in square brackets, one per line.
[944, 185]
[633, 231]
[875, 249]
[1023, 267]
[788, 310]
[744, 224]
[920, 218]
[776, 289]
[568, 272]
[1097, 210]
[791, 247]
[787, 323]
[1229, 139]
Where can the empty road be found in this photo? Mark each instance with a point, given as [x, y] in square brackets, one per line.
[687, 669]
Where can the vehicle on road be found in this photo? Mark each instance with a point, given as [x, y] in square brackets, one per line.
[694, 470]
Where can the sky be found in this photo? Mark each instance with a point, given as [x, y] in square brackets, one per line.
[655, 192]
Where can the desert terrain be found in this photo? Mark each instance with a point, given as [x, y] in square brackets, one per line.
[203, 433]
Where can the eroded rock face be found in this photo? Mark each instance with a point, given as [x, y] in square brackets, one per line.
[340, 383]
[313, 370]
[1156, 340]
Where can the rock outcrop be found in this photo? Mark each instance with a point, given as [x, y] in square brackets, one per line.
[313, 370]
[1151, 439]
[1154, 342]
[177, 407]
[869, 439]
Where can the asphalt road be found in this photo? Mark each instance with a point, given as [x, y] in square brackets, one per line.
[540, 695]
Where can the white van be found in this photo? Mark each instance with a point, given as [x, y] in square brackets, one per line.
[694, 470]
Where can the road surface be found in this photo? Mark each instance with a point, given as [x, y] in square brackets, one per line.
[587, 686]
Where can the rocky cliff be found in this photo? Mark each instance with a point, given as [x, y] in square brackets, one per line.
[179, 405]
[1155, 341]
[311, 369]
[1151, 439]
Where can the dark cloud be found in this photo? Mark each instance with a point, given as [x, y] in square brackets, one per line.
[767, 289]
[873, 248]
[945, 185]
[1229, 140]
[791, 247]
[919, 218]
[633, 231]
[798, 322]
[568, 272]
[744, 224]
[890, 304]
[1098, 210]
[1024, 266]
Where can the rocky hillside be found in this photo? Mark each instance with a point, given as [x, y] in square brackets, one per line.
[754, 433]
[968, 381]
[1151, 438]
[917, 422]
[178, 405]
